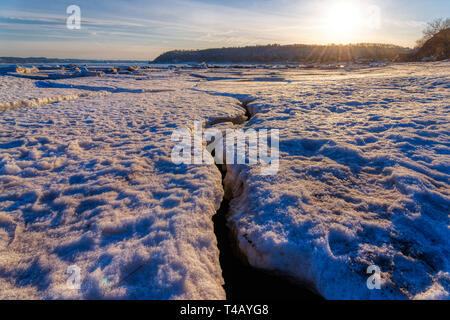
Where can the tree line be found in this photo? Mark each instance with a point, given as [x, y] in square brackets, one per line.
[285, 53]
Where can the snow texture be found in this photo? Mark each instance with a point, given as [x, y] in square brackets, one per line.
[363, 180]
[86, 179]
[90, 182]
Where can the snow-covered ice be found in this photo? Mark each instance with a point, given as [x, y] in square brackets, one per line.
[363, 180]
[89, 182]
[86, 179]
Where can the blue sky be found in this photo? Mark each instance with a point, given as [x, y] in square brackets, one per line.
[138, 29]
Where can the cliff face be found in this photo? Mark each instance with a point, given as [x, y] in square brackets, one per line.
[278, 53]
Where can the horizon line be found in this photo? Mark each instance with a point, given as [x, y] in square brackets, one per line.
[211, 48]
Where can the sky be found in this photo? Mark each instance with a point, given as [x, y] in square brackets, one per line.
[143, 29]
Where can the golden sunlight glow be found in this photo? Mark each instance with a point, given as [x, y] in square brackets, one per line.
[342, 22]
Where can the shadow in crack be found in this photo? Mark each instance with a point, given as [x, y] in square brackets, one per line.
[243, 281]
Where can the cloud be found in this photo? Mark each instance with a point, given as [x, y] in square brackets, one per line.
[176, 24]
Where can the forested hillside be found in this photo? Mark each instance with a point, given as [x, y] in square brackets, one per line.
[285, 53]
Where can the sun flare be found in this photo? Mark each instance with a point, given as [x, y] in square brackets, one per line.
[343, 22]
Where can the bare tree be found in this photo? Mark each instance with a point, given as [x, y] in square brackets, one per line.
[432, 29]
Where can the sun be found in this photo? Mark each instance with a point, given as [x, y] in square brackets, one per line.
[342, 21]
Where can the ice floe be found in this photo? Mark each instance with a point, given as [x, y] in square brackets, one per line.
[86, 180]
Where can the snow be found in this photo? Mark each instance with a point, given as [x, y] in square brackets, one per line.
[86, 179]
[89, 182]
[20, 92]
[363, 180]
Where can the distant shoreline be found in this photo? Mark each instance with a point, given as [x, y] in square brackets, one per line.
[296, 53]
[19, 60]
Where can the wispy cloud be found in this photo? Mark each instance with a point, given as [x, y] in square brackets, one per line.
[191, 24]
